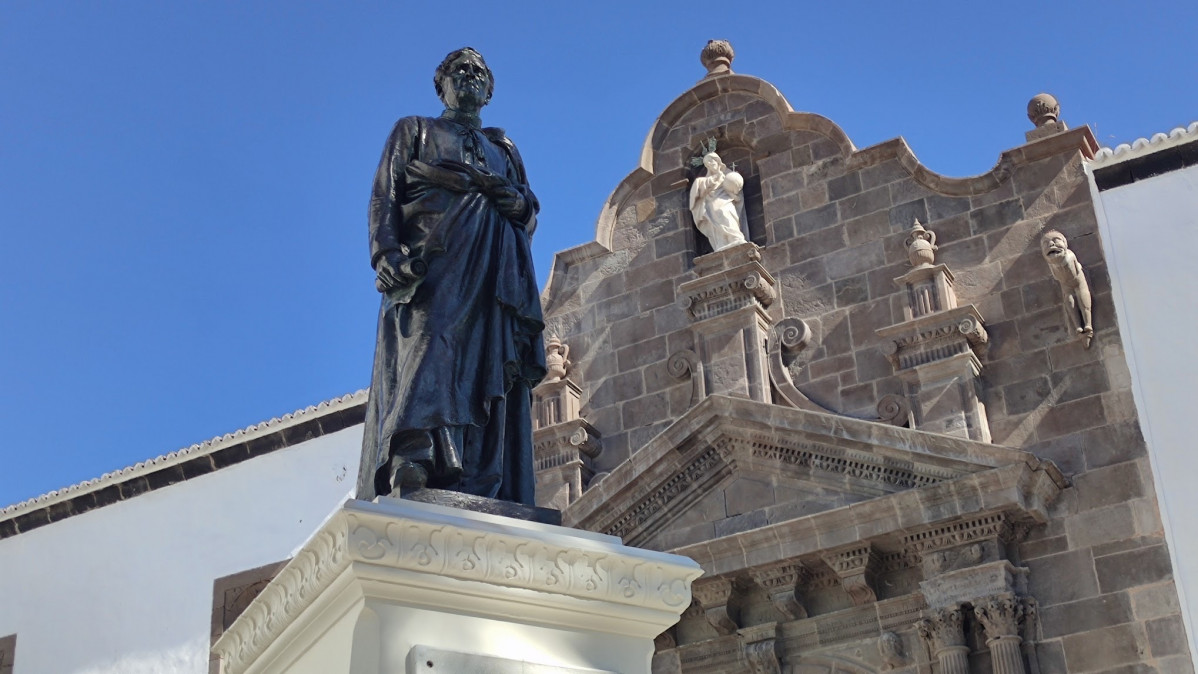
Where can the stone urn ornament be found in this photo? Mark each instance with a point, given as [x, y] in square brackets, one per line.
[556, 359]
[921, 246]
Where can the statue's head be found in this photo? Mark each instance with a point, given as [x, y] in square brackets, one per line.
[1053, 245]
[712, 161]
[463, 80]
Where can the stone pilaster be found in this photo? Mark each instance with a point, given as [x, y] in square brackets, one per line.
[726, 306]
[944, 631]
[1001, 615]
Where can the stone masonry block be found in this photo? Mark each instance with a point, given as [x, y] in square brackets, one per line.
[995, 216]
[642, 354]
[940, 207]
[903, 215]
[1166, 636]
[854, 260]
[1154, 601]
[817, 244]
[867, 228]
[1079, 381]
[1113, 443]
[864, 203]
[815, 219]
[1085, 615]
[1058, 579]
[883, 174]
[645, 410]
[1133, 568]
[1071, 417]
[1102, 649]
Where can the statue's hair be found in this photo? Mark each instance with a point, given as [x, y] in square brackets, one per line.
[443, 70]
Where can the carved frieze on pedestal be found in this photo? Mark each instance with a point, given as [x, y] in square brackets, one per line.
[1001, 616]
[937, 349]
[727, 306]
[943, 630]
[856, 567]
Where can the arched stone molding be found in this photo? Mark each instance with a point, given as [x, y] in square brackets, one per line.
[648, 166]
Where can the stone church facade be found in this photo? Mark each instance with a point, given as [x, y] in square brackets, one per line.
[887, 443]
[875, 424]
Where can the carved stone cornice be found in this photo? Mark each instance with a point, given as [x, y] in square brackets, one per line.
[856, 566]
[994, 525]
[729, 279]
[406, 547]
[935, 337]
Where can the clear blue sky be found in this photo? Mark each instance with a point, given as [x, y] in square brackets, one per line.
[183, 185]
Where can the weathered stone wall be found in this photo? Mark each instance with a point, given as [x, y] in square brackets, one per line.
[832, 221]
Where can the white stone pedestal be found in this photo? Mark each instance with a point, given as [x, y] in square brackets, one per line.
[398, 587]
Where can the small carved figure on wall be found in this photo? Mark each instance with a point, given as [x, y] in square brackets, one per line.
[1074, 289]
[717, 204]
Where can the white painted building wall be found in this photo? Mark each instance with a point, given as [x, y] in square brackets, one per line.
[127, 588]
[1150, 236]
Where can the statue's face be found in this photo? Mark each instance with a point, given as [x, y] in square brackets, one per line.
[712, 162]
[466, 83]
[1053, 245]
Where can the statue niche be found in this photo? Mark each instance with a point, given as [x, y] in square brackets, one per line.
[724, 198]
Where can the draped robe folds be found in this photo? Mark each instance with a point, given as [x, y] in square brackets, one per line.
[460, 348]
[718, 212]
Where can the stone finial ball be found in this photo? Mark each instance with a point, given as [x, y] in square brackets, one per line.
[717, 55]
[1042, 109]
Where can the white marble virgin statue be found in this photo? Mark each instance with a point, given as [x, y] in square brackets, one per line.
[717, 203]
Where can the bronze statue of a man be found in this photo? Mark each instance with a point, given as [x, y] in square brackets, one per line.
[459, 333]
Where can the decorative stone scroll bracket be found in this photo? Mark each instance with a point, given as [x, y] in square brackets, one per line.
[787, 339]
[686, 364]
[781, 583]
[713, 596]
[857, 568]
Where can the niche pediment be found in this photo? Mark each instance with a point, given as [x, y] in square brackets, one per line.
[731, 465]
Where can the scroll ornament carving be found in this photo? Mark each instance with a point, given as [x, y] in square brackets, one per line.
[686, 363]
[895, 410]
[1069, 275]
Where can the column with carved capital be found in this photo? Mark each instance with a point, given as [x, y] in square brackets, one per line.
[943, 630]
[1001, 615]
